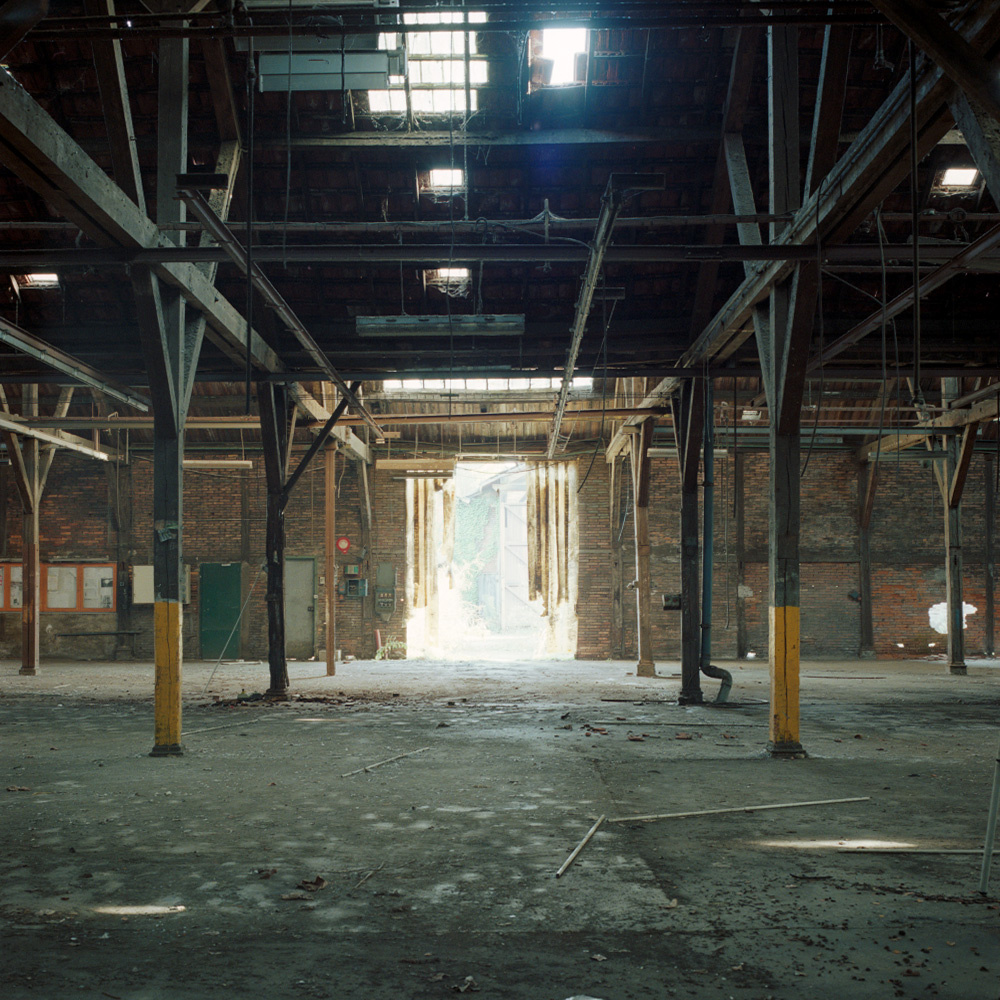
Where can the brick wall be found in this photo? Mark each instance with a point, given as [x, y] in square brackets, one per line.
[86, 518]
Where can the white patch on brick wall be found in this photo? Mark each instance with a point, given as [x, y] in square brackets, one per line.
[938, 616]
[743, 591]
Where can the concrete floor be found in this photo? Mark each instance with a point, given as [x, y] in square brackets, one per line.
[129, 877]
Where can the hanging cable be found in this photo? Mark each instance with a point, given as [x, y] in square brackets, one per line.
[918, 396]
[251, 83]
[288, 141]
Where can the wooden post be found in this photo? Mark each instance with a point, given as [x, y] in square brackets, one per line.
[617, 637]
[31, 593]
[867, 480]
[646, 667]
[739, 493]
[330, 553]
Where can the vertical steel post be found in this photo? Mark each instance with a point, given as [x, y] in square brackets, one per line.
[646, 666]
[989, 612]
[273, 404]
[953, 546]
[31, 591]
[168, 518]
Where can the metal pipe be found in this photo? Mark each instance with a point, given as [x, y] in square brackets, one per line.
[707, 551]
[611, 203]
[991, 826]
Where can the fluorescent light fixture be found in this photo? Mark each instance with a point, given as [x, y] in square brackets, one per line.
[218, 463]
[39, 279]
[418, 468]
[960, 177]
[451, 273]
[440, 326]
[562, 45]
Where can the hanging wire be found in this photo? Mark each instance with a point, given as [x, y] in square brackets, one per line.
[251, 84]
[918, 397]
[288, 141]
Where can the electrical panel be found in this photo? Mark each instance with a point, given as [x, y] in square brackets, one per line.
[385, 590]
[354, 588]
[352, 569]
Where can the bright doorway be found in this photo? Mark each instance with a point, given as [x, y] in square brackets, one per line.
[491, 557]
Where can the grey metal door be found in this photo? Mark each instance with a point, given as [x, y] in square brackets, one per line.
[300, 615]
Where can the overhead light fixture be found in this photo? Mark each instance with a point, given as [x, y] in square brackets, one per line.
[959, 177]
[218, 463]
[324, 62]
[418, 468]
[440, 326]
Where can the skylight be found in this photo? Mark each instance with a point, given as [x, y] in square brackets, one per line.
[959, 177]
[39, 279]
[562, 45]
[436, 67]
[445, 179]
[482, 384]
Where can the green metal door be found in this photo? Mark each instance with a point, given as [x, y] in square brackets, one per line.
[219, 593]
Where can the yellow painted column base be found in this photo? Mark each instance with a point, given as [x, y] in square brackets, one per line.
[167, 657]
[783, 657]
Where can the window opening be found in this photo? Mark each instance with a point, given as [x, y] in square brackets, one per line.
[39, 279]
[468, 557]
[453, 281]
[445, 179]
[960, 177]
[563, 47]
[435, 67]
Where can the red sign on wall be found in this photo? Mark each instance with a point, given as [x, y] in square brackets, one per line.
[343, 544]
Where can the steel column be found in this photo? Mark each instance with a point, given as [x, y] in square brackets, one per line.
[168, 651]
[689, 418]
[162, 329]
[989, 612]
[273, 403]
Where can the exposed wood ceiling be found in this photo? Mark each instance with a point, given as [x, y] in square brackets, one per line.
[345, 224]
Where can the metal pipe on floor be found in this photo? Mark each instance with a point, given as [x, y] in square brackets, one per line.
[991, 826]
